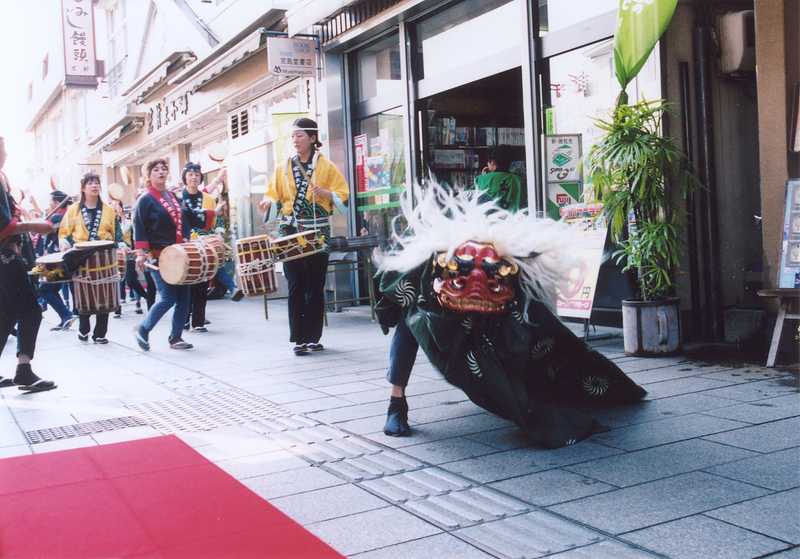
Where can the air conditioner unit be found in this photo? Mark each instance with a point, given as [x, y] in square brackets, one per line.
[737, 42]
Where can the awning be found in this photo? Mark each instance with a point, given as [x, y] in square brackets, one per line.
[264, 21]
[311, 12]
[248, 47]
[121, 132]
[142, 89]
[118, 123]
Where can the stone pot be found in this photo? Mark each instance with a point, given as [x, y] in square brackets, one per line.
[652, 328]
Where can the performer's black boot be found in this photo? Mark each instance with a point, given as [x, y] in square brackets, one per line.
[397, 418]
[27, 380]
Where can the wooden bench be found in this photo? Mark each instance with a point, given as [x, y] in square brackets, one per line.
[785, 296]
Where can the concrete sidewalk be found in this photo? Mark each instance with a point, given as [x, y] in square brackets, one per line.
[707, 467]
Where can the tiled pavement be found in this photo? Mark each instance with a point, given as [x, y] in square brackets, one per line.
[708, 467]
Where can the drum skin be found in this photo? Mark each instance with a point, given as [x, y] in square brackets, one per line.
[191, 262]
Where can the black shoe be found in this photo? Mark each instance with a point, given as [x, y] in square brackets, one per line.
[300, 349]
[178, 343]
[118, 313]
[397, 418]
[199, 329]
[139, 309]
[6, 382]
[206, 322]
[238, 296]
[141, 338]
[100, 340]
[315, 347]
[26, 380]
[83, 337]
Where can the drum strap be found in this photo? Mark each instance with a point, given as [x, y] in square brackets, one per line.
[173, 208]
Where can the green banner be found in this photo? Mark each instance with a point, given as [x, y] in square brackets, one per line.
[640, 24]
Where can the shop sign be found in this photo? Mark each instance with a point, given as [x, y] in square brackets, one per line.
[292, 57]
[361, 151]
[77, 26]
[563, 157]
[167, 111]
[576, 294]
[789, 275]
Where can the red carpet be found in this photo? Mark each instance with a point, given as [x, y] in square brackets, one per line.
[152, 498]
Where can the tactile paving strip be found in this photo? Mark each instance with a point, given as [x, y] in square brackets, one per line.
[530, 535]
[204, 412]
[37, 436]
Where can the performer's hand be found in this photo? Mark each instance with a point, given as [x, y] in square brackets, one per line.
[220, 209]
[264, 204]
[321, 193]
[141, 258]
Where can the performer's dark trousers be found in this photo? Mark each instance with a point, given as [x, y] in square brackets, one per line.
[27, 325]
[132, 280]
[100, 325]
[402, 354]
[306, 280]
[199, 300]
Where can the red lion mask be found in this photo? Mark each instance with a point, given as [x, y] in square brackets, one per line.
[476, 279]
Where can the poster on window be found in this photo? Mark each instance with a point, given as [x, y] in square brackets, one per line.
[563, 152]
[360, 150]
[77, 26]
[576, 295]
[789, 275]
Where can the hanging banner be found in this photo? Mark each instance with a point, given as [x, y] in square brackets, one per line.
[576, 296]
[640, 24]
[80, 63]
[291, 57]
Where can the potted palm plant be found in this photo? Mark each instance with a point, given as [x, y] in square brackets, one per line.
[631, 168]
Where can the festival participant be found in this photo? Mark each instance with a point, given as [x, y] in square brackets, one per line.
[307, 187]
[91, 220]
[196, 201]
[474, 286]
[497, 183]
[52, 293]
[161, 220]
[18, 305]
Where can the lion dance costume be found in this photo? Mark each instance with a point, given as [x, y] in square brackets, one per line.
[476, 286]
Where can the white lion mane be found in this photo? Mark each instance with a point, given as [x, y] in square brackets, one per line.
[441, 221]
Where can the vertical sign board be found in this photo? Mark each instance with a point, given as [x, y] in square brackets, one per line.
[291, 57]
[789, 275]
[361, 152]
[564, 172]
[77, 23]
[576, 296]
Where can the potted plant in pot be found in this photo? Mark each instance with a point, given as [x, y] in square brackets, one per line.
[631, 168]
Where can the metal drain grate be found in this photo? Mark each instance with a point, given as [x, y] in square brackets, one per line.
[80, 429]
[204, 412]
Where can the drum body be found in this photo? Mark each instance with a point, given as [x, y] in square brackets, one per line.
[96, 283]
[50, 268]
[255, 267]
[298, 245]
[191, 262]
[122, 261]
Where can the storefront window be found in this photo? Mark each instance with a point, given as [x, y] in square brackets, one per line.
[379, 70]
[560, 14]
[466, 34]
[582, 87]
[380, 171]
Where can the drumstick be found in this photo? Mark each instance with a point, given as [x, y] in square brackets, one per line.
[151, 266]
[58, 207]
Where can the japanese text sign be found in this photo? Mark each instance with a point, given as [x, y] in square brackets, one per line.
[77, 18]
[563, 157]
[291, 57]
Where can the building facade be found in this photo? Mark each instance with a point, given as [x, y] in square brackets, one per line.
[416, 87]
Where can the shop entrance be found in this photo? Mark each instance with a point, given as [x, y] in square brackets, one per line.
[462, 128]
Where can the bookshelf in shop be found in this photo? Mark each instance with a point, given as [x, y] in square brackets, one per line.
[458, 147]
